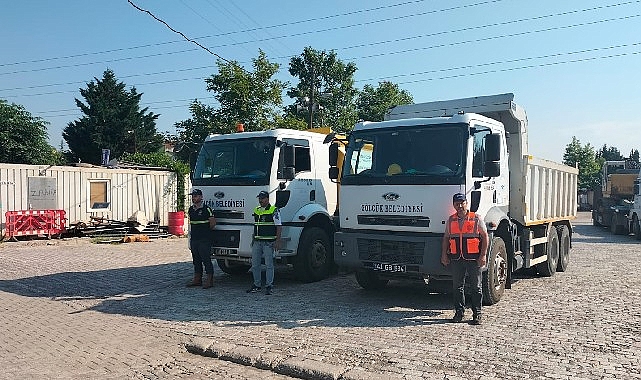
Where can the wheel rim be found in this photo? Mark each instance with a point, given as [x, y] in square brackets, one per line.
[500, 271]
[318, 256]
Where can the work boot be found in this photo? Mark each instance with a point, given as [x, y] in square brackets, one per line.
[458, 317]
[476, 319]
[196, 281]
[209, 282]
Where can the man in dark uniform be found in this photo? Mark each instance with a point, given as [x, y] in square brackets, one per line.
[201, 224]
[464, 248]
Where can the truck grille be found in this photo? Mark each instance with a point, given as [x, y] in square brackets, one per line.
[228, 214]
[394, 220]
[227, 239]
[387, 251]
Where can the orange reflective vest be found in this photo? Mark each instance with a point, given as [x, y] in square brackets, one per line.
[465, 240]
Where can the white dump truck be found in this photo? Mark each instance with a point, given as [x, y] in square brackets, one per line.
[399, 175]
[291, 165]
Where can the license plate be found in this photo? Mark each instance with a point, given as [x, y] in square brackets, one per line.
[224, 251]
[383, 267]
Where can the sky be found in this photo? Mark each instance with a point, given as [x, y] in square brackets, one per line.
[573, 65]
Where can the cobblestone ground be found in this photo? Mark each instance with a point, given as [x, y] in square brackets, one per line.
[74, 309]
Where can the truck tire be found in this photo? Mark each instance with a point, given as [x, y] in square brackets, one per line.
[495, 276]
[314, 259]
[615, 227]
[370, 280]
[636, 227]
[564, 248]
[548, 267]
[232, 268]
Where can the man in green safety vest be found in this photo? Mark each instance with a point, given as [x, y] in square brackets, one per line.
[267, 230]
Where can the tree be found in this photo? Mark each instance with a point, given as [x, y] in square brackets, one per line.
[112, 120]
[634, 156]
[327, 82]
[585, 159]
[23, 137]
[252, 98]
[609, 154]
[373, 103]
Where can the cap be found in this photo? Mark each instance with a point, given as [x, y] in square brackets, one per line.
[459, 197]
[263, 194]
[196, 192]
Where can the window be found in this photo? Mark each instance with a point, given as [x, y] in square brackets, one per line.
[98, 194]
[302, 157]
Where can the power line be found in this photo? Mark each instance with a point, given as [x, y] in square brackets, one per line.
[457, 43]
[579, 60]
[218, 35]
[484, 39]
[375, 43]
[523, 67]
[178, 32]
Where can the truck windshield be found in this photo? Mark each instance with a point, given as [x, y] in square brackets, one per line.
[235, 162]
[425, 154]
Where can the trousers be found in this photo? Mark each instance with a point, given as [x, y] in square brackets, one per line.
[260, 249]
[460, 269]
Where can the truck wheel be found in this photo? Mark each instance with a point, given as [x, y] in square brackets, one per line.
[548, 267]
[636, 227]
[314, 259]
[369, 280]
[615, 227]
[231, 267]
[564, 248]
[495, 276]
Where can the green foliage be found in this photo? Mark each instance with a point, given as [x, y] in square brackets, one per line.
[373, 103]
[609, 154]
[163, 160]
[23, 138]
[634, 155]
[112, 120]
[325, 81]
[252, 98]
[585, 158]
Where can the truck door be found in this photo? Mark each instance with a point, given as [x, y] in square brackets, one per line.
[493, 192]
[302, 187]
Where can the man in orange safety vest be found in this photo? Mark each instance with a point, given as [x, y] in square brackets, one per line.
[464, 249]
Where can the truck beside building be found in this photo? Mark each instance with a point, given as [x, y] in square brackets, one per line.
[613, 200]
[399, 176]
[289, 164]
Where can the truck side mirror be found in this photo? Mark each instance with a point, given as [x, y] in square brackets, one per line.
[492, 164]
[289, 155]
[289, 173]
[333, 154]
[333, 173]
[476, 200]
[289, 161]
[492, 147]
[492, 168]
[636, 186]
[282, 197]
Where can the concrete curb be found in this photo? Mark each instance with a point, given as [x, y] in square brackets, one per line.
[285, 365]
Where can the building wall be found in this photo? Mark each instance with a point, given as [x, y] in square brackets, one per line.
[126, 190]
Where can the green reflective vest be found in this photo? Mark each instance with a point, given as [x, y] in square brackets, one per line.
[264, 227]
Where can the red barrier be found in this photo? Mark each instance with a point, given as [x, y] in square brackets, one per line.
[35, 222]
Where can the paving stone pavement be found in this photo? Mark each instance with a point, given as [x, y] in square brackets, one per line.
[74, 309]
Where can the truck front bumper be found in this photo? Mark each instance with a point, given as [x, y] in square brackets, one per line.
[418, 254]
